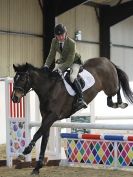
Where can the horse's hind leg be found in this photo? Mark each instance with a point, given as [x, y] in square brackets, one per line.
[119, 103]
[110, 103]
[119, 100]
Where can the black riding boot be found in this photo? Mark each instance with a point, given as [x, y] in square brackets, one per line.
[80, 101]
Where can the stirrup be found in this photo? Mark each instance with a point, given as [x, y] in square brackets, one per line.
[81, 104]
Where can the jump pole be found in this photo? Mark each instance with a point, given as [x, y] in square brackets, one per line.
[86, 125]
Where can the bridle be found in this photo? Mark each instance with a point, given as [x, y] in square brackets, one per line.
[27, 84]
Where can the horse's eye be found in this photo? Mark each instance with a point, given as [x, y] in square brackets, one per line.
[22, 79]
[16, 77]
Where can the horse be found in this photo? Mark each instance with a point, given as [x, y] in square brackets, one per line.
[57, 104]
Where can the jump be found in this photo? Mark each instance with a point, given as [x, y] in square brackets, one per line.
[57, 104]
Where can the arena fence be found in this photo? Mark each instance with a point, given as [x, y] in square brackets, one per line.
[114, 151]
[18, 129]
[17, 134]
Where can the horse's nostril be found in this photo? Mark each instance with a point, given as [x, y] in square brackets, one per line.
[15, 99]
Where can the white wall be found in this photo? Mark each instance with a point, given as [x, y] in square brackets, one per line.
[2, 113]
[122, 34]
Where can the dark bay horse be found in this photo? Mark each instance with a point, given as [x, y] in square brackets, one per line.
[56, 103]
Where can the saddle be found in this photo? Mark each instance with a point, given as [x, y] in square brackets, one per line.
[85, 79]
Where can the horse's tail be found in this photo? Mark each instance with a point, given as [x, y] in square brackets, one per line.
[124, 82]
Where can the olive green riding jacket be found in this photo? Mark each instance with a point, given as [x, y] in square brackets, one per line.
[68, 56]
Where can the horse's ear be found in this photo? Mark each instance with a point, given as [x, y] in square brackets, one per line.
[27, 66]
[15, 68]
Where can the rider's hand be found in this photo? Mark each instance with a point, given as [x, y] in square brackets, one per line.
[57, 70]
[45, 69]
[56, 73]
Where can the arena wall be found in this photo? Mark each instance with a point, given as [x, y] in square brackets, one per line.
[20, 27]
[122, 45]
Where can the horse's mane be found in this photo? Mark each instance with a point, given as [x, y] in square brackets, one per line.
[26, 67]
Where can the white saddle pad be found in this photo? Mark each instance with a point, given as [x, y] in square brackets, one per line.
[88, 78]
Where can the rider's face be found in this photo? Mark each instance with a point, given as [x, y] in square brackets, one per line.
[61, 37]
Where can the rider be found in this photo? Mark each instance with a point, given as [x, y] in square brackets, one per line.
[69, 58]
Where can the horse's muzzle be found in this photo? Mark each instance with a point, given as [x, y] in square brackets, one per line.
[14, 98]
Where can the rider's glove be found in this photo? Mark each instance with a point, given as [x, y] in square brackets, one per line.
[57, 70]
[45, 69]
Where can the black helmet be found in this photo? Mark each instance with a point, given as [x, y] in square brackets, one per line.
[59, 29]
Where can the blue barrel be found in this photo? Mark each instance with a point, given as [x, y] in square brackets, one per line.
[69, 135]
[114, 137]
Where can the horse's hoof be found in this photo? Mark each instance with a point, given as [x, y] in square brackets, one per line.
[115, 105]
[21, 157]
[27, 150]
[39, 164]
[35, 172]
[122, 105]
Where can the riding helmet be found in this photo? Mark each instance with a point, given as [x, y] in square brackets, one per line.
[59, 29]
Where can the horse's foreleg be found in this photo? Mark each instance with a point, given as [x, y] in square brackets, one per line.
[39, 163]
[39, 133]
[29, 148]
[43, 130]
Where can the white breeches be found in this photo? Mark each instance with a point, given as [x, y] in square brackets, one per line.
[74, 70]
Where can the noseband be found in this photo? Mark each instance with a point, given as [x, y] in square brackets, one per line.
[27, 84]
